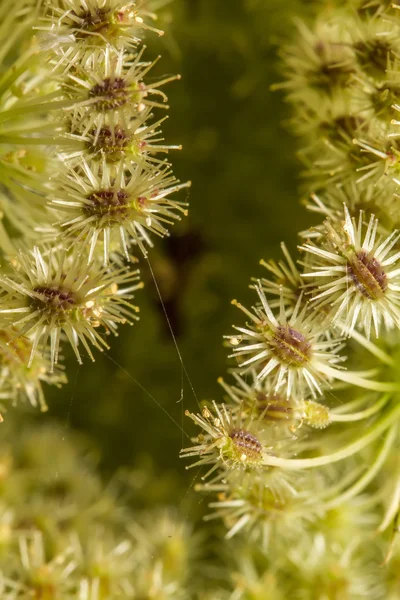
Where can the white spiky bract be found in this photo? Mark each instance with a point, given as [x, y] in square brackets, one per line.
[58, 293]
[129, 202]
[78, 30]
[18, 382]
[355, 274]
[139, 141]
[270, 506]
[113, 92]
[292, 350]
[229, 442]
[286, 280]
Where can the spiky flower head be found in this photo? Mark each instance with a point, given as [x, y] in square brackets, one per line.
[337, 570]
[285, 281]
[228, 441]
[320, 62]
[273, 408]
[38, 575]
[113, 92]
[18, 382]
[294, 350]
[106, 564]
[373, 199]
[51, 294]
[271, 505]
[357, 274]
[170, 547]
[77, 30]
[127, 203]
[260, 398]
[137, 141]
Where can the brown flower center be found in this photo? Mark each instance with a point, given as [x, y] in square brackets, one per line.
[54, 297]
[111, 203]
[290, 346]
[90, 21]
[273, 407]
[110, 94]
[246, 443]
[112, 142]
[367, 275]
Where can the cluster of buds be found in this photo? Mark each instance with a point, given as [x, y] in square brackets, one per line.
[96, 190]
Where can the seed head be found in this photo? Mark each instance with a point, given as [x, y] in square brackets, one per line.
[291, 350]
[271, 506]
[114, 92]
[129, 203]
[356, 274]
[18, 382]
[55, 293]
[78, 30]
[227, 443]
[137, 141]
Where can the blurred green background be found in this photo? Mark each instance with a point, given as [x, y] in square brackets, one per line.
[244, 200]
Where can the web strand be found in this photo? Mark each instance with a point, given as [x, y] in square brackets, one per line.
[148, 394]
[183, 368]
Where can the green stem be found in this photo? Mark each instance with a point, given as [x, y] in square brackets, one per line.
[368, 345]
[393, 507]
[354, 378]
[319, 461]
[363, 414]
[369, 475]
[349, 406]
